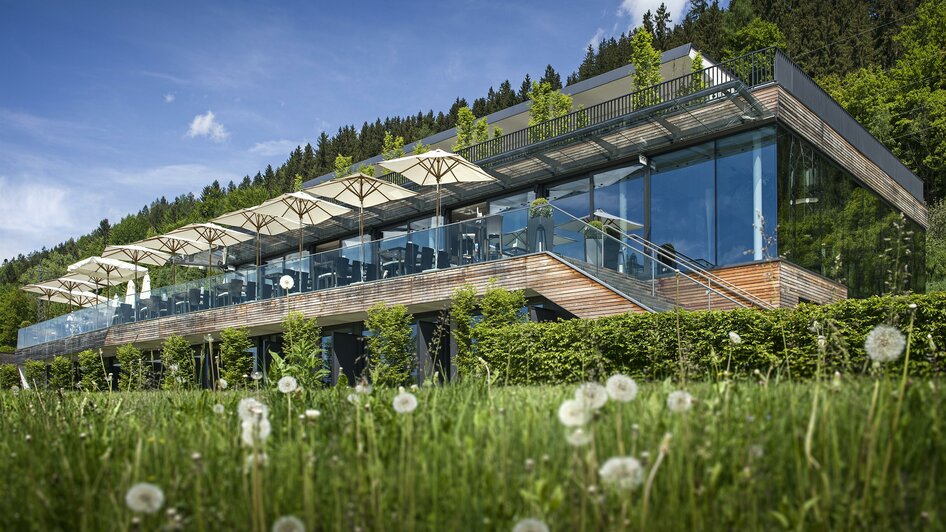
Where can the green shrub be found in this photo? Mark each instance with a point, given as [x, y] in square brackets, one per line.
[135, 370]
[92, 374]
[9, 377]
[35, 373]
[302, 352]
[236, 360]
[500, 307]
[61, 373]
[697, 344]
[462, 308]
[391, 345]
[178, 360]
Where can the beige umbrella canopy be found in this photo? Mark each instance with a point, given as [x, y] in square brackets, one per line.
[175, 245]
[136, 255]
[212, 235]
[302, 206]
[437, 167]
[115, 271]
[360, 190]
[56, 294]
[263, 224]
[73, 285]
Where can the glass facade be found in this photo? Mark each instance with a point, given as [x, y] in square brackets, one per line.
[832, 225]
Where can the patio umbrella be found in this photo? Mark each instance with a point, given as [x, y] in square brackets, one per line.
[263, 224]
[136, 255]
[212, 235]
[622, 225]
[176, 246]
[360, 190]
[437, 167]
[130, 293]
[303, 206]
[73, 285]
[119, 270]
[47, 291]
[146, 286]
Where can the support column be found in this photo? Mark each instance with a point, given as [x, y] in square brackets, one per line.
[757, 236]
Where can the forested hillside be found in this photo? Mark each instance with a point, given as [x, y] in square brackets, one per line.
[882, 59]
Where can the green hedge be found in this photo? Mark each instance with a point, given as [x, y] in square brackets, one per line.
[35, 373]
[697, 344]
[9, 376]
[61, 373]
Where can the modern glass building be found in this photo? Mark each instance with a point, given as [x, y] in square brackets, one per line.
[741, 185]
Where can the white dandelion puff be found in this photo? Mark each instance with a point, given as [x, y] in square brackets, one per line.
[574, 413]
[353, 398]
[530, 525]
[735, 338]
[622, 473]
[593, 394]
[363, 389]
[287, 384]
[144, 498]
[256, 431]
[222, 384]
[256, 459]
[578, 437]
[679, 401]
[621, 388]
[884, 344]
[312, 414]
[405, 403]
[219, 409]
[250, 408]
[288, 523]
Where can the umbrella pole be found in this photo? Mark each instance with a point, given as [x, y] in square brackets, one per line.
[361, 232]
[437, 218]
[300, 236]
[257, 247]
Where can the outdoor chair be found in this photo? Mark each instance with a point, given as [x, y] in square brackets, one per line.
[267, 291]
[410, 257]
[233, 294]
[193, 299]
[426, 259]
[250, 291]
[443, 259]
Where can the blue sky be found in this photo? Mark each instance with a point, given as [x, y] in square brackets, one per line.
[107, 105]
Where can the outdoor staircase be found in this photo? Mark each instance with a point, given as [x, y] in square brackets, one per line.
[636, 290]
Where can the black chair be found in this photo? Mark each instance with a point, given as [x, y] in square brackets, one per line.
[443, 259]
[410, 257]
[267, 291]
[356, 271]
[371, 272]
[233, 294]
[303, 281]
[193, 299]
[342, 271]
[250, 291]
[124, 314]
[426, 259]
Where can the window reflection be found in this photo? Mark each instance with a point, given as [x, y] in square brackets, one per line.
[682, 204]
[573, 197]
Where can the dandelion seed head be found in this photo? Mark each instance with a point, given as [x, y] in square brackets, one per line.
[312, 414]
[256, 459]
[353, 398]
[250, 408]
[287, 384]
[621, 473]
[222, 384]
[679, 401]
[363, 388]
[593, 394]
[574, 413]
[288, 523]
[884, 344]
[578, 437]
[621, 388]
[735, 338]
[530, 525]
[404, 403]
[144, 498]
[255, 431]
[256, 375]
[219, 409]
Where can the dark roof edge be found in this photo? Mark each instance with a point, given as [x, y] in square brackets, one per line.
[582, 86]
[800, 85]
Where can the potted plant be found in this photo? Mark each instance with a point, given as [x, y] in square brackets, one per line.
[540, 224]
[593, 233]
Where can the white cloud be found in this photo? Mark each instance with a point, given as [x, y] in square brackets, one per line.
[635, 9]
[206, 125]
[40, 213]
[274, 147]
[596, 38]
[169, 98]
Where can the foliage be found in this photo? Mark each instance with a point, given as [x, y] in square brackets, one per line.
[236, 360]
[15, 307]
[302, 352]
[9, 377]
[697, 80]
[367, 169]
[547, 104]
[61, 373]
[758, 34]
[499, 307]
[93, 376]
[936, 248]
[135, 370]
[696, 344]
[646, 62]
[390, 345]
[35, 373]
[540, 208]
[420, 148]
[177, 357]
[594, 230]
[342, 165]
[392, 147]
[470, 131]
[462, 307]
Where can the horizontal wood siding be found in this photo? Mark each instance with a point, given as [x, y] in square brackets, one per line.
[798, 283]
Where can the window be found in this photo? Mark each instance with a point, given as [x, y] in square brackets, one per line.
[683, 203]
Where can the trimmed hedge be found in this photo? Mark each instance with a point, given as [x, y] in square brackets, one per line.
[9, 377]
[61, 373]
[697, 344]
[35, 373]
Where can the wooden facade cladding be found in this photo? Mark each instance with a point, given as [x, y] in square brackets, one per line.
[539, 275]
[777, 282]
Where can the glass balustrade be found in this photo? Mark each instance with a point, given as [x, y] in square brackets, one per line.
[489, 238]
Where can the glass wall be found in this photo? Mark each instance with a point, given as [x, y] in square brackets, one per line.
[832, 225]
[683, 203]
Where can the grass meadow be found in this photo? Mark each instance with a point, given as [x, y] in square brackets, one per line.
[838, 453]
